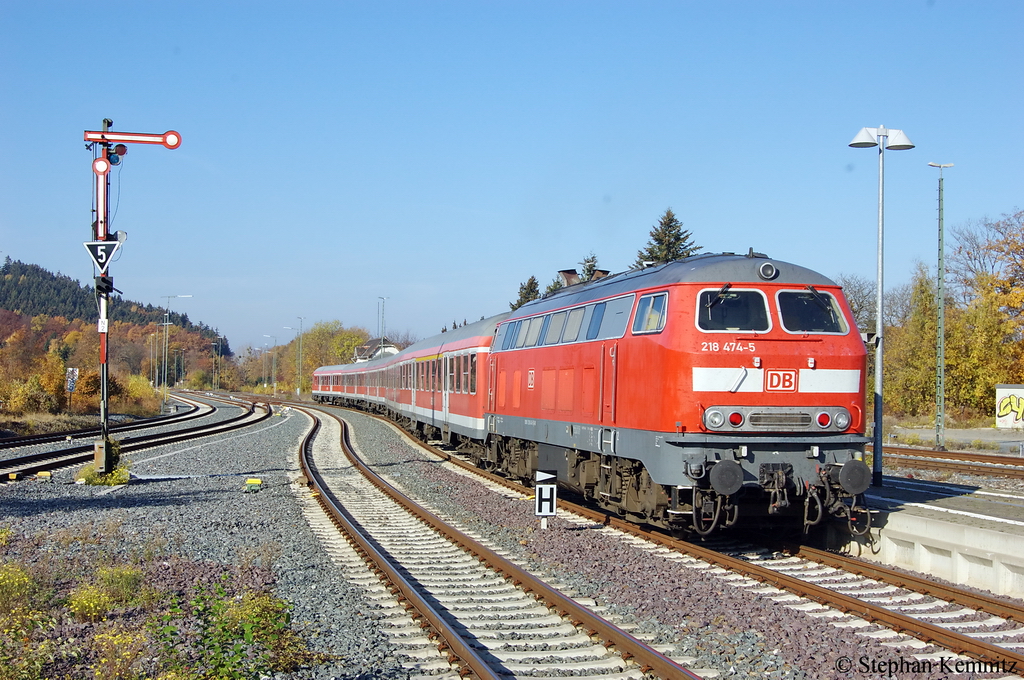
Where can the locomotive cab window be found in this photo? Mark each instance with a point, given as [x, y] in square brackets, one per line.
[726, 309]
[650, 314]
[811, 311]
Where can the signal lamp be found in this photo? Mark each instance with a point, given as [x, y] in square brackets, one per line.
[824, 419]
[714, 418]
[842, 420]
[735, 418]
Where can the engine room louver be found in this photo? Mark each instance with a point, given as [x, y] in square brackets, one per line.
[768, 420]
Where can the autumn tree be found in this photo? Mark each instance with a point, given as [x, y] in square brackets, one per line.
[668, 241]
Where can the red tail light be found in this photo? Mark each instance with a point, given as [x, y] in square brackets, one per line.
[824, 419]
[735, 419]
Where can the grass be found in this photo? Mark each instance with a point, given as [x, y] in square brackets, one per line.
[77, 605]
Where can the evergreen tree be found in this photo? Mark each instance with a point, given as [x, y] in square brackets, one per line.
[588, 267]
[555, 285]
[668, 242]
[527, 292]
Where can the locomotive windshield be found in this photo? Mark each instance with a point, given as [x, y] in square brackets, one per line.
[732, 310]
[810, 311]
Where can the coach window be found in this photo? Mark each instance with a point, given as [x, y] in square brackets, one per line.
[465, 374]
[572, 325]
[724, 309]
[650, 314]
[810, 311]
[472, 373]
[555, 326]
[458, 373]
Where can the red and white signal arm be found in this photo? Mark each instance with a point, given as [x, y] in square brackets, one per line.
[545, 495]
[171, 139]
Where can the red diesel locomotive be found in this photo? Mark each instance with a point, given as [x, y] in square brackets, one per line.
[684, 395]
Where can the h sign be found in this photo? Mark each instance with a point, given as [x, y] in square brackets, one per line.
[546, 497]
[776, 380]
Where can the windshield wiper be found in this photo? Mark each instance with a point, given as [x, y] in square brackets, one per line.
[721, 294]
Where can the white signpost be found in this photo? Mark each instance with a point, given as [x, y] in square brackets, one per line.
[545, 497]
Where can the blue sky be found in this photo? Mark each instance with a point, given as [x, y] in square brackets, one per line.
[440, 153]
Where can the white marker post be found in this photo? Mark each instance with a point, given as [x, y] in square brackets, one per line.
[545, 497]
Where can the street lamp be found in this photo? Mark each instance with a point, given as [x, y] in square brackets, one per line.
[381, 325]
[298, 360]
[894, 140]
[940, 331]
[215, 383]
[273, 361]
[165, 324]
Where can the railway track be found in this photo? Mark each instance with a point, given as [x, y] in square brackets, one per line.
[916, 613]
[14, 466]
[487, 616]
[954, 461]
[195, 410]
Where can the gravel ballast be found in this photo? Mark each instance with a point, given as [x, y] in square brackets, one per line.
[192, 499]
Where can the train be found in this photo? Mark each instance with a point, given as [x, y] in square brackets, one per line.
[687, 395]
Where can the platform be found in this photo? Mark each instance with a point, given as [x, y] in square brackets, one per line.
[959, 533]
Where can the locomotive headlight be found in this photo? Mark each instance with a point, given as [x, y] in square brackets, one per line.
[842, 419]
[714, 419]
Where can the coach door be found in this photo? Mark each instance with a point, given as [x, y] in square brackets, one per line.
[446, 385]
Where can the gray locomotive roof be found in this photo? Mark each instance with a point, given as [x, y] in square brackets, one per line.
[477, 328]
[712, 268]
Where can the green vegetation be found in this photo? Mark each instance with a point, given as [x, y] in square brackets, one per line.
[71, 608]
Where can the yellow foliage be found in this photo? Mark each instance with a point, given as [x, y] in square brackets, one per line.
[89, 602]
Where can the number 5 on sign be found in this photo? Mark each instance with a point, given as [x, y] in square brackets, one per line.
[102, 252]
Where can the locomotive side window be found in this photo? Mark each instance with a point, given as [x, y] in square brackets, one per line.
[572, 325]
[615, 318]
[532, 332]
[650, 314]
[555, 326]
[727, 309]
[595, 320]
[811, 311]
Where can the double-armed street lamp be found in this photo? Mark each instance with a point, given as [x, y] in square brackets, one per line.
[893, 140]
[940, 331]
[273, 361]
[166, 324]
[215, 382]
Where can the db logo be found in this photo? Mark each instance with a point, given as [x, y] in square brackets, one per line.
[780, 381]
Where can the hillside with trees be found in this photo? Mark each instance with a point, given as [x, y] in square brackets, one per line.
[48, 324]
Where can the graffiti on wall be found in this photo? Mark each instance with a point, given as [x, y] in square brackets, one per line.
[1010, 406]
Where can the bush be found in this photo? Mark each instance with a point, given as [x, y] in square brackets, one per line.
[89, 603]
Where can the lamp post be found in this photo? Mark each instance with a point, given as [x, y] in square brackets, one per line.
[894, 140]
[215, 383]
[940, 331]
[165, 324]
[273, 362]
[298, 358]
[152, 358]
[381, 326]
